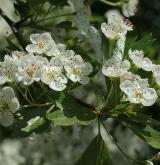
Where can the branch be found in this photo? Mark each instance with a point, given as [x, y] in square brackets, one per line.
[12, 25]
[116, 4]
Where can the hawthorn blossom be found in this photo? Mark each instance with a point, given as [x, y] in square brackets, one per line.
[52, 75]
[65, 56]
[8, 105]
[138, 91]
[42, 44]
[129, 8]
[115, 67]
[8, 70]
[137, 57]
[116, 26]
[78, 70]
[30, 69]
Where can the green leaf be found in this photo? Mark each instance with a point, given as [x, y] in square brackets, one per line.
[22, 8]
[144, 44]
[145, 119]
[75, 108]
[72, 112]
[143, 126]
[96, 154]
[33, 124]
[60, 119]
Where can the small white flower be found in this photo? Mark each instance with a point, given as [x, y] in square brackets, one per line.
[116, 26]
[52, 75]
[130, 8]
[137, 56]
[66, 56]
[8, 70]
[8, 105]
[115, 67]
[42, 44]
[78, 70]
[30, 69]
[138, 91]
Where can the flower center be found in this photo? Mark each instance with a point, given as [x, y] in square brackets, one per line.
[9, 73]
[4, 107]
[138, 94]
[40, 44]
[51, 75]
[76, 71]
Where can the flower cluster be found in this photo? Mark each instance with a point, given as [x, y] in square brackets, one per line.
[136, 89]
[46, 61]
[8, 105]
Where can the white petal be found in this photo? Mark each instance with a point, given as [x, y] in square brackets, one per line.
[147, 102]
[133, 99]
[74, 78]
[108, 31]
[61, 78]
[7, 119]
[31, 48]
[128, 87]
[14, 105]
[147, 64]
[34, 38]
[149, 93]
[57, 86]
[46, 37]
[8, 93]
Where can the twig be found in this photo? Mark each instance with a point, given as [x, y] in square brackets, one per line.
[114, 4]
[13, 27]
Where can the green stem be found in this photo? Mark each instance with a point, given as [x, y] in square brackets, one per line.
[111, 44]
[99, 127]
[22, 93]
[37, 105]
[114, 4]
[118, 146]
[109, 94]
[30, 95]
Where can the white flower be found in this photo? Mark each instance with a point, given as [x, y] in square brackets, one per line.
[129, 9]
[8, 70]
[116, 26]
[115, 67]
[30, 69]
[42, 44]
[78, 70]
[52, 75]
[137, 56]
[156, 73]
[65, 56]
[8, 105]
[138, 91]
